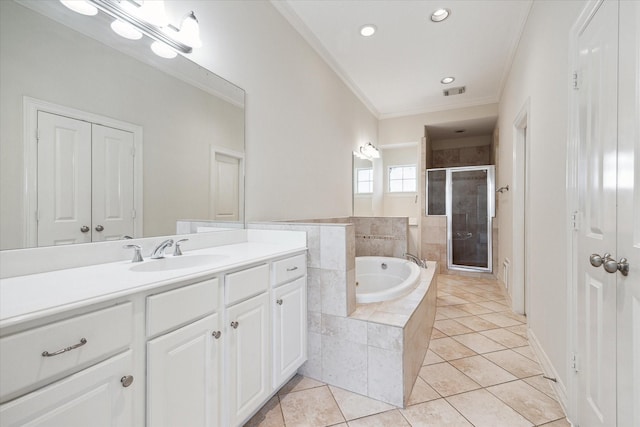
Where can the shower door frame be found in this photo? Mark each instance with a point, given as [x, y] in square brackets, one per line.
[490, 169]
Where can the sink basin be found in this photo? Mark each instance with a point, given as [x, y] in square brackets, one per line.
[177, 263]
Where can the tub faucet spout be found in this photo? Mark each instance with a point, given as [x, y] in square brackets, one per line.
[421, 263]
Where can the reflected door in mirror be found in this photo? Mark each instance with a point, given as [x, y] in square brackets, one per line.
[85, 181]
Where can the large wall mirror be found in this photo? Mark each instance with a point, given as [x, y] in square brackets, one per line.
[93, 124]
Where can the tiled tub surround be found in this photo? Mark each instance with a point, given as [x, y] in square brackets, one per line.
[370, 349]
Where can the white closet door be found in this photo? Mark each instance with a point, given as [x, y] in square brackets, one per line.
[628, 287]
[596, 292]
[64, 180]
[112, 176]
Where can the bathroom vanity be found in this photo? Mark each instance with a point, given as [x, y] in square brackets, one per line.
[202, 339]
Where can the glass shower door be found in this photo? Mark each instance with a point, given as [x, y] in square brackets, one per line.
[469, 217]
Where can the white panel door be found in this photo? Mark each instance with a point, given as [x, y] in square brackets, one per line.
[596, 289]
[290, 329]
[112, 177]
[249, 356]
[629, 215]
[183, 376]
[64, 180]
[225, 187]
[93, 397]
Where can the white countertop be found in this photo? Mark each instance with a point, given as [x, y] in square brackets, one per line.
[26, 298]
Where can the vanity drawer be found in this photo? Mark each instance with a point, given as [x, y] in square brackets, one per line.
[179, 306]
[72, 344]
[246, 283]
[288, 269]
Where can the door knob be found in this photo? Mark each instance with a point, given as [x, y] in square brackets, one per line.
[622, 266]
[610, 265]
[99, 227]
[84, 229]
[596, 260]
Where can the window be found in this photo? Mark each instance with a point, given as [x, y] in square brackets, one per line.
[364, 180]
[402, 179]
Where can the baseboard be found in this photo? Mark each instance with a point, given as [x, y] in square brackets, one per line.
[547, 367]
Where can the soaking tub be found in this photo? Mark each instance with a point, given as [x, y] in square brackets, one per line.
[383, 278]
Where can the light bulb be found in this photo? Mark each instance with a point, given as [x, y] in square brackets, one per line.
[190, 31]
[126, 30]
[80, 6]
[163, 50]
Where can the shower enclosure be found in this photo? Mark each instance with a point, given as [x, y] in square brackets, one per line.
[466, 196]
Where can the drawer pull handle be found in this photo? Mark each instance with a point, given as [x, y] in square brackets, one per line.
[234, 325]
[216, 334]
[292, 268]
[127, 380]
[82, 342]
[279, 301]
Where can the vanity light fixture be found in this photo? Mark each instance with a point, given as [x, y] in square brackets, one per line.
[134, 19]
[440, 15]
[81, 6]
[368, 30]
[447, 80]
[368, 151]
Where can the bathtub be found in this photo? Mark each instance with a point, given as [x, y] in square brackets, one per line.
[383, 278]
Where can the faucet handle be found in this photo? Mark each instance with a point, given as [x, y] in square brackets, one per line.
[176, 249]
[137, 255]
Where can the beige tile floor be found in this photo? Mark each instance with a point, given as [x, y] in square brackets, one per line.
[479, 371]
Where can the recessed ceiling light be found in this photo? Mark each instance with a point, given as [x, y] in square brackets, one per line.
[368, 30]
[440, 15]
[447, 80]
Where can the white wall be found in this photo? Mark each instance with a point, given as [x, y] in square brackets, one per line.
[540, 73]
[302, 122]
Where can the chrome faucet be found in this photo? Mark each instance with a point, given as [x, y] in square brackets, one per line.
[421, 263]
[158, 252]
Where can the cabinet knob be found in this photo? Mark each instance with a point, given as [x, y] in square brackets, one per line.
[84, 229]
[234, 324]
[99, 227]
[216, 334]
[127, 380]
[279, 301]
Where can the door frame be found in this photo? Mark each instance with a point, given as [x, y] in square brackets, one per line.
[572, 216]
[31, 106]
[520, 186]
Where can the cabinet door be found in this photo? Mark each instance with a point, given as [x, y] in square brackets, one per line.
[183, 376]
[289, 329]
[249, 357]
[93, 397]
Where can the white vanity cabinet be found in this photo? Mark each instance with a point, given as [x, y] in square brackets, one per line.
[207, 348]
[248, 341]
[183, 366]
[289, 302]
[74, 372]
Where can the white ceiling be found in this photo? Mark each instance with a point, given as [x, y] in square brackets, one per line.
[397, 71]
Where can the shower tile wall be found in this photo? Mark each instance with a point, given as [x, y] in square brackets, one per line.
[466, 156]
